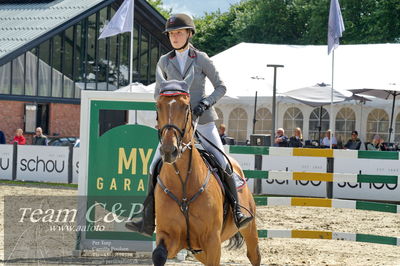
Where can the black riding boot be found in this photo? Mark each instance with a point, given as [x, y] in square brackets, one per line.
[240, 219]
[145, 225]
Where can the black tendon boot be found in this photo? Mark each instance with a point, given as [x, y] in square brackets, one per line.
[241, 220]
[145, 225]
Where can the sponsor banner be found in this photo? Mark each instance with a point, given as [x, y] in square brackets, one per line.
[41, 229]
[6, 157]
[294, 164]
[75, 165]
[368, 191]
[42, 163]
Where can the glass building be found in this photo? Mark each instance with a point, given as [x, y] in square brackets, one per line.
[50, 52]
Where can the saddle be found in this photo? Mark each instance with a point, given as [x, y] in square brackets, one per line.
[214, 166]
[218, 173]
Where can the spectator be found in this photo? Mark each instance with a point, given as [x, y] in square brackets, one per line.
[280, 139]
[296, 140]
[19, 137]
[354, 143]
[39, 138]
[327, 140]
[2, 138]
[222, 135]
[376, 144]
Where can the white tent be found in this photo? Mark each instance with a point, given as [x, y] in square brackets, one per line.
[244, 67]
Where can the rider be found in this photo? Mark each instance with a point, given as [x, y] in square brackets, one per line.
[175, 65]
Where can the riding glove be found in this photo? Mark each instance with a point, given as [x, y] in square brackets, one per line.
[201, 107]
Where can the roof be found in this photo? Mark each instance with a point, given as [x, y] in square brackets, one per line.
[244, 70]
[24, 26]
[22, 23]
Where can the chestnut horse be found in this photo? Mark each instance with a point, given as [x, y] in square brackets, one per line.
[188, 199]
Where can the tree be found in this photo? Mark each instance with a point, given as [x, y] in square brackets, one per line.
[159, 6]
[297, 22]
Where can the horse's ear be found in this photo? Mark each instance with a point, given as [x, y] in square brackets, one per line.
[189, 77]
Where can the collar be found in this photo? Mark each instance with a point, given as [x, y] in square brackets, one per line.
[191, 53]
[183, 54]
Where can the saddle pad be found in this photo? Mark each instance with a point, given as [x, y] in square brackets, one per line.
[211, 164]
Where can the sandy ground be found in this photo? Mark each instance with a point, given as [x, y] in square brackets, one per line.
[274, 251]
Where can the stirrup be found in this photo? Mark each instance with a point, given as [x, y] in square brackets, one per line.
[240, 219]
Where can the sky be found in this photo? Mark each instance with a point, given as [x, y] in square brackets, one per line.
[197, 8]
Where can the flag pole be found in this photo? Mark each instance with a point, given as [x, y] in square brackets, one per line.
[131, 48]
[331, 116]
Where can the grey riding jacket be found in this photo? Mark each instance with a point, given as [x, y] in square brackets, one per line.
[198, 66]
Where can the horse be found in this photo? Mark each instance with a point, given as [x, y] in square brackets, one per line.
[188, 200]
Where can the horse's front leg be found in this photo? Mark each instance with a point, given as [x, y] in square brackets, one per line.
[160, 254]
[212, 250]
[168, 245]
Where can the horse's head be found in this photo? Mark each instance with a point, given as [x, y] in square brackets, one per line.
[174, 119]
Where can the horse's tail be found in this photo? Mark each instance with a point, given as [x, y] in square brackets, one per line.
[235, 241]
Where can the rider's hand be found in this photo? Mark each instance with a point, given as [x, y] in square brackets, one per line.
[201, 107]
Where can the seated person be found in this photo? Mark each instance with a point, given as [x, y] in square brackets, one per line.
[327, 140]
[354, 143]
[221, 132]
[376, 144]
[280, 139]
[296, 140]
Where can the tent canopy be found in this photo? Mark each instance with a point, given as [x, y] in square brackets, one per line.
[243, 67]
[318, 95]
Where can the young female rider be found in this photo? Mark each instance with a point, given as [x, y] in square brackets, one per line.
[176, 65]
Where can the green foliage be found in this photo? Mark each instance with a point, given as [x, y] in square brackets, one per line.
[158, 5]
[302, 22]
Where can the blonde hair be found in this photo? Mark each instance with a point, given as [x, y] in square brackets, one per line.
[301, 134]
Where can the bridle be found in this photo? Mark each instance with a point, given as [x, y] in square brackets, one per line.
[178, 132]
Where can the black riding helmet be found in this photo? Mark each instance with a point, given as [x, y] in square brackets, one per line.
[179, 21]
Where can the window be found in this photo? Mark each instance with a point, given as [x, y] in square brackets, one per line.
[264, 121]
[31, 73]
[397, 129]
[293, 118]
[220, 119]
[36, 115]
[144, 57]
[237, 124]
[44, 69]
[18, 75]
[5, 72]
[345, 123]
[378, 124]
[153, 59]
[313, 129]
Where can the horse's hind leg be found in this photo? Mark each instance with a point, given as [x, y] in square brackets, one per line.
[160, 254]
[250, 236]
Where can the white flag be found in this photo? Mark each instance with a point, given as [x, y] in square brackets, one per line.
[122, 21]
[335, 25]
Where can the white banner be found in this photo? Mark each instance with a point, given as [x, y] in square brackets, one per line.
[42, 163]
[6, 157]
[75, 165]
[372, 191]
[294, 164]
